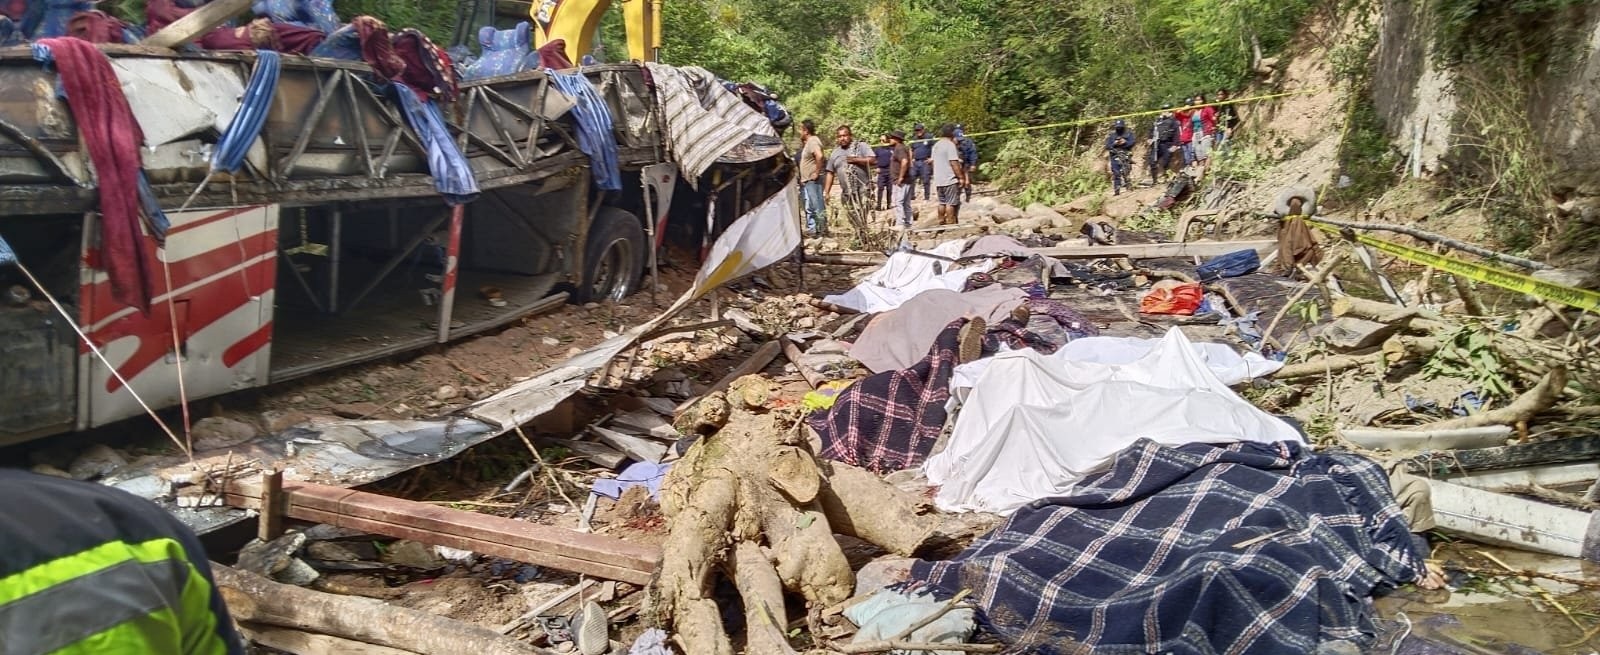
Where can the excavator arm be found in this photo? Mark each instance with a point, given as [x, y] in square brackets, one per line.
[577, 20]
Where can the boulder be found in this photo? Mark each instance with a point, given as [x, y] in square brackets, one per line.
[981, 205]
[278, 420]
[1037, 210]
[218, 432]
[98, 461]
[1006, 213]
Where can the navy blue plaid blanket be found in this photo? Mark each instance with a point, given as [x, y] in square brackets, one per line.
[1244, 548]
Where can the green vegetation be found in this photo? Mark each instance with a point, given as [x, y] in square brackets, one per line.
[989, 64]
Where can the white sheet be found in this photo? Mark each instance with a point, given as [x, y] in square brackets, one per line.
[1034, 425]
[904, 276]
[1226, 363]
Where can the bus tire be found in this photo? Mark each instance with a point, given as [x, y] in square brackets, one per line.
[613, 258]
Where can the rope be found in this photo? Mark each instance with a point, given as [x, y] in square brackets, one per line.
[1137, 114]
[102, 357]
[177, 352]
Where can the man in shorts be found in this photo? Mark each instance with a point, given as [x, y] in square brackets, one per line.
[949, 175]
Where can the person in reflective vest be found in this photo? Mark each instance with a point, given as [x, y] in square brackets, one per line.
[87, 568]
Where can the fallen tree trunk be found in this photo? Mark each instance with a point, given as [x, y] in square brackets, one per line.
[752, 502]
[257, 600]
[1541, 397]
[1394, 350]
[1382, 312]
[310, 643]
[860, 504]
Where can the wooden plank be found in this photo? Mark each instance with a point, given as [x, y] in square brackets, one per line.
[1557, 451]
[200, 21]
[645, 422]
[270, 525]
[598, 453]
[1159, 250]
[590, 554]
[638, 449]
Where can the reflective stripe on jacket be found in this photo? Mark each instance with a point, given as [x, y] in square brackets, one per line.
[87, 568]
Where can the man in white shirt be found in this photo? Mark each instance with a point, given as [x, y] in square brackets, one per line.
[949, 175]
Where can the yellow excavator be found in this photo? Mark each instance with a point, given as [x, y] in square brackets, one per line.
[577, 20]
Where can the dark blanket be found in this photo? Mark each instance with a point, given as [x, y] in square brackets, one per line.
[1246, 548]
[891, 420]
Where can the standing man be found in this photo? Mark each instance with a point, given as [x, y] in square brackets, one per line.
[811, 167]
[89, 568]
[949, 174]
[1205, 124]
[921, 158]
[969, 159]
[1119, 149]
[848, 166]
[1227, 118]
[882, 154]
[1163, 141]
[900, 175]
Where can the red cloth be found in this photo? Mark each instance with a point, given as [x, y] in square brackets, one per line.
[553, 55]
[377, 49]
[96, 27]
[428, 70]
[1208, 120]
[297, 39]
[1185, 125]
[112, 135]
[1171, 297]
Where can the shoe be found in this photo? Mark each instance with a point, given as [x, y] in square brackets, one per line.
[591, 630]
[970, 341]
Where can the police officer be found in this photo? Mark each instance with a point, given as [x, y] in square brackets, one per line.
[1119, 149]
[969, 157]
[883, 154]
[921, 159]
[88, 568]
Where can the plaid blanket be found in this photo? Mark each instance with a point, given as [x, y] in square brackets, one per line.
[890, 421]
[1245, 548]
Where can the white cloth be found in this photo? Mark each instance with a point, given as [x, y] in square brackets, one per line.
[904, 276]
[1035, 425]
[1226, 363]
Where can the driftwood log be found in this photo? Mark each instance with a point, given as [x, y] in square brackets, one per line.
[257, 601]
[752, 502]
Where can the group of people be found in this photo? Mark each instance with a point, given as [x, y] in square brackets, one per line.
[942, 164]
[1180, 138]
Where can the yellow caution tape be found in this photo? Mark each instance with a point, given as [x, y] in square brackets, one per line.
[1583, 299]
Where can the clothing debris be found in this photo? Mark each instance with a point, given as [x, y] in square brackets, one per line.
[452, 175]
[1248, 548]
[112, 136]
[890, 421]
[638, 474]
[888, 612]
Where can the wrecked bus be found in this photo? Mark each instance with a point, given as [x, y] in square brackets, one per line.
[331, 244]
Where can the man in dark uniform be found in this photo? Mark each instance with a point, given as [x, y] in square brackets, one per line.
[921, 159]
[88, 568]
[883, 155]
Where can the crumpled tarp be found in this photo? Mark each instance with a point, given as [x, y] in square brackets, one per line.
[905, 275]
[1249, 548]
[704, 121]
[1034, 424]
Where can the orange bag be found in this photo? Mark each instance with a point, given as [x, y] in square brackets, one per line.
[1172, 297]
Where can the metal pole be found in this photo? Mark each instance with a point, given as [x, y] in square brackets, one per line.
[334, 261]
[451, 260]
[650, 232]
